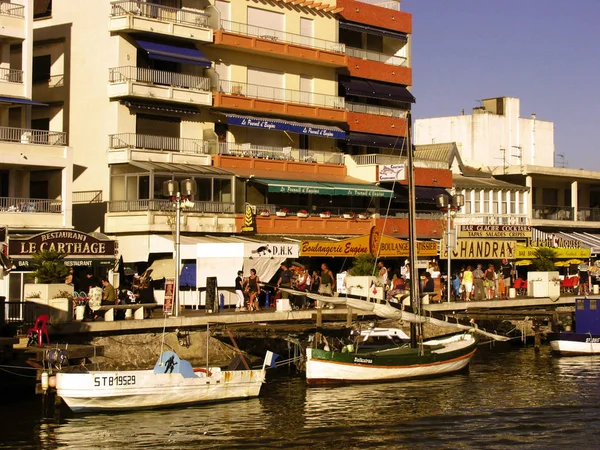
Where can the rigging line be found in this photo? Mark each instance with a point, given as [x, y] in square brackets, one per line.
[18, 367]
[387, 212]
[17, 374]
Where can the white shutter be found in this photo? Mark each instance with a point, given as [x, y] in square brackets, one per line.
[306, 89]
[266, 84]
[266, 24]
[224, 9]
[307, 31]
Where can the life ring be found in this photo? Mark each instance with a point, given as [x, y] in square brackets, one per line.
[204, 371]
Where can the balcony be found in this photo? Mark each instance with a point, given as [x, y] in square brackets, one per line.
[126, 147]
[158, 216]
[12, 18]
[369, 55]
[36, 137]
[492, 219]
[394, 4]
[377, 14]
[382, 159]
[280, 44]
[246, 150]
[378, 66]
[11, 82]
[391, 121]
[31, 212]
[129, 81]
[274, 100]
[139, 16]
[49, 90]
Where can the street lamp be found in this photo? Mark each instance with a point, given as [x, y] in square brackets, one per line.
[181, 199]
[443, 202]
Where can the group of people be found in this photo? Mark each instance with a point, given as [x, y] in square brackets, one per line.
[482, 284]
[296, 277]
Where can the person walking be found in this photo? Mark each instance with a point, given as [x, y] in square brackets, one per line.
[253, 286]
[239, 291]
[506, 272]
[327, 283]
[490, 282]
[478, 275]
[467, 282]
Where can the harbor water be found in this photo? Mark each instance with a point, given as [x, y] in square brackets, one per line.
[511, 398]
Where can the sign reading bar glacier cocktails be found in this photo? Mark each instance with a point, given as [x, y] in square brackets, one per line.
[495, 231]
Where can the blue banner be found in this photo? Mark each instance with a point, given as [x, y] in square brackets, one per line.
[282, 125]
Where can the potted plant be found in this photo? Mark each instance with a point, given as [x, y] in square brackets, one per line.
[349, 215]
[50, 291]
[264, 212]
[302, 213]
[282, 212]
[325, 215]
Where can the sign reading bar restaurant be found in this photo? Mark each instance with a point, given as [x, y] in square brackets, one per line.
[482, 249]
[80, 249]
[387, 246]
[495, 231]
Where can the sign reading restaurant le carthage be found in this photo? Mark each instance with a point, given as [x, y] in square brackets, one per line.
[79, 248]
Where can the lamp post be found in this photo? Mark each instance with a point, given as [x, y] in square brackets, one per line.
[181, 196]
[443, 202]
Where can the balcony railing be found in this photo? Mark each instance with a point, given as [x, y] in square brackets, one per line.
[29, 205]
[376, 110]
[159, 12]
[383, 159]
[168, 206]
[588, 214]
[393, 4]
[80, 197]
[282, 36]
[12, 9]
[492, 219]
[246, 150]
[552, 212]
[369, 55]
[11, 75]
[158, 77]
[149, 142]
[280, 94]
[52, 81]
[26, 136]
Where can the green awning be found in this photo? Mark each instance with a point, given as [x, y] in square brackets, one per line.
[319, 188]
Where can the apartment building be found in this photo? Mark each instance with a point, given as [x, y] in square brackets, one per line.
[36, 165]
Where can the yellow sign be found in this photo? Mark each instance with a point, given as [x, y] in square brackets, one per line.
[389, 247]
[249, 221]
[481, 249]
[495, 231]
[524, 252]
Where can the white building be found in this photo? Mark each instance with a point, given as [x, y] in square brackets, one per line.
[495, 135]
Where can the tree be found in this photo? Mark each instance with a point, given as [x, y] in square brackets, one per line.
[363, 265]
[545, 257]
[49, 267]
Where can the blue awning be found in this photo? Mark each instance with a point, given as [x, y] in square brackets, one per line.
[267, 123]
[373, 89]
[372, 30]
[181, 53]
[21, 101]
[323, 188]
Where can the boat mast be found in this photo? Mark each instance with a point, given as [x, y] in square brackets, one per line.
[416, 329]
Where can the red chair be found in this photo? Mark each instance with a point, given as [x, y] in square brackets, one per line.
[524, 288]
[39, 330]
[518, 285]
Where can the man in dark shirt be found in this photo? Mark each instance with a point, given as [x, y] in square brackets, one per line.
[506, 269]
[285, 280]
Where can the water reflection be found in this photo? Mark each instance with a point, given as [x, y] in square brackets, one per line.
[509, 398]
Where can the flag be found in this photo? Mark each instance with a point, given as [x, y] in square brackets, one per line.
[270, 358]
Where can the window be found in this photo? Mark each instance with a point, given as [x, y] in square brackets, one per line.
[504, 202]
[468, 202]
[41, 68]
[477, 204]
[512, 199]
[306, 31]
[157, 132]
[593, 304]
[266, 24]
[580, 304]
[494, 202]
[42, 8]
[521, 202]
[267, 84]
[224, 9]
[306, 89]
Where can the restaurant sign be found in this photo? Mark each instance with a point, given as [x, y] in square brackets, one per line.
[481, 249]
[526, 252]
[386, 246]
[80, 249]
[495, 231]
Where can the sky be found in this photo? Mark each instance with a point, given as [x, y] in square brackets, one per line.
[545, 52]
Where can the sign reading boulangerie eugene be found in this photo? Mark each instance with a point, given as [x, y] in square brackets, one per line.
[78, 247]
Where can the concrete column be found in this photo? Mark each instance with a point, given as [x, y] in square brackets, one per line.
[574, 199]
[528, 203]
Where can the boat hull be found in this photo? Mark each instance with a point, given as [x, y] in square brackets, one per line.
[441, 357]
[140, 389]
[574, 344]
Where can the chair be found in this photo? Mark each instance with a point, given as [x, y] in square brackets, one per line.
[518, 285]
[39, 330]
[524, 288]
